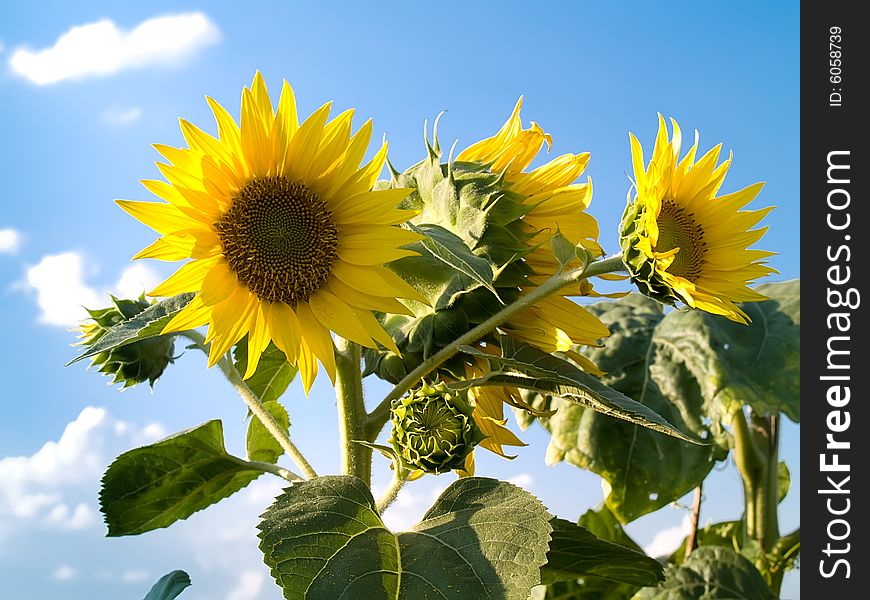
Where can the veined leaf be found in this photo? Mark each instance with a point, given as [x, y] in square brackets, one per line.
[169, 586]
[483, 539]
[643, 469]
[711, 573]
[452, 251]
[524, 366]
[575, 552]
[735, 364]
[149, 323]
[154, 486]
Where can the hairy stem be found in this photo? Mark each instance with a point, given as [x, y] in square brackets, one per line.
[274, 469]
[255, 405]
[392, 490]
[692, 539]
[378, 417]
[356, 459]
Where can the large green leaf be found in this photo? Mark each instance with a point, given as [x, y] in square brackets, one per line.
[524, 366]
[154, 486]
[169, 586]
[483, 539]
[711, 573]
[644, 470]
[147, 324]
[575, 552]
[605, 526]
[736, 364]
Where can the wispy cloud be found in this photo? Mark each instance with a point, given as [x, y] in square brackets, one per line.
[102, 48]
[668, 540]
[40, 488]
[63, 573]
[10, 241]
[121, 116]
[62, 292]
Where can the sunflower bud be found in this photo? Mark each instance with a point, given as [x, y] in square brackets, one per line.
[433, 429]
[134, 363]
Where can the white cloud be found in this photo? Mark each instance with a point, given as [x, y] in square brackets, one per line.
[135, 280]
[249, 586]
[410, 506]
[668, 540]
[135, 576]
[63, 573]
[62, 292]
[102, 48]
[10, 241]
[121, 116]
[61, 516]
[36, 487]
[523, 480]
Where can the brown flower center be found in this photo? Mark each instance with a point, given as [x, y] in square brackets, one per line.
[679, 229]
[279, 238]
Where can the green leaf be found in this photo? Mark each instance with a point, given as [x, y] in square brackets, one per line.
[601, 522]
[711, 573]
[575, 552]
[452, 251]
[259, 443]
[147, 324]
[271, 379]
[643, 469]
[587, 588]
[783, 481]
[727, 533]
[483, 539]
[169, 586]
[154, 486]
[524, 366]
[273, 375]
[735, 364]
[605, 526]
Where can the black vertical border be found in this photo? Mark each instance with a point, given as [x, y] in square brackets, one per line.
[825, 128]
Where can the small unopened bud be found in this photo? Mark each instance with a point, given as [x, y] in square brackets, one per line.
[129, 365]
[433, 429]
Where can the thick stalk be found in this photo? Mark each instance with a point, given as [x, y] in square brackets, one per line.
[749, 461]
[256, 407]
[356, 459]
[378, 417]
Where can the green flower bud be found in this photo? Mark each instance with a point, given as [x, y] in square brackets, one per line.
[134, 363]
[433, 429]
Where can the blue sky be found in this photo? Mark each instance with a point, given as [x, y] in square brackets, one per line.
[77, 135]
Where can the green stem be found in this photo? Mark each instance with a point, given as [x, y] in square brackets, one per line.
[378, 417]
[392, 490]
[274, 469]
[756, 455]
[255, 405]
[356, 459]
[749, 461]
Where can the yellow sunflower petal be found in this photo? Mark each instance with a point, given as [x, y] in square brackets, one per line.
[188, 278]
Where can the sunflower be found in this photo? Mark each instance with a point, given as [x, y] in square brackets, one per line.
[681, 242]
[286, 239]
[552, 203]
